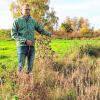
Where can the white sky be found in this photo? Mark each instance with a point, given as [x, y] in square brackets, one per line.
[5, 16]
[73, 8]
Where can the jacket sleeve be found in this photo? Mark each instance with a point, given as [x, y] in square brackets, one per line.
[39, 28]
[15, 34]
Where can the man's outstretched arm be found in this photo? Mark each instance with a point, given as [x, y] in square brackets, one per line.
[39, 28]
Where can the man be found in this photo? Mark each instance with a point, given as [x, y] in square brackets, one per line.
[23, 32]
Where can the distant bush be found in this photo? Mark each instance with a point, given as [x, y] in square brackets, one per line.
[4, 33]
[80, 35]
[84, 30]
[89, 50]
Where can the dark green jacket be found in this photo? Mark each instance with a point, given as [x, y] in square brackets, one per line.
[24, 28]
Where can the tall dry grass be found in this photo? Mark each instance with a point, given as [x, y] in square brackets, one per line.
[75, 77]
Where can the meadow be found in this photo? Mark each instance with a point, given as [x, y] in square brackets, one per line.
[63, 70]
[8, 50]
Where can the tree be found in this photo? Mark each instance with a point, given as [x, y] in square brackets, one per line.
[75, 24]
[83, 23]
[51, 19]
[66, 27]
[39, 11]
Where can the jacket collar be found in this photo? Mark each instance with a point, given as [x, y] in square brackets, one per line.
[26, 17]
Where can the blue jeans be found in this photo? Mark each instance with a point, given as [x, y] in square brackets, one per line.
[23, 52]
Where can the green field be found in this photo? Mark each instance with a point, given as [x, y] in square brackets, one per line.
[8, 55]
[45, 77]
[63, 47]
[8, 51]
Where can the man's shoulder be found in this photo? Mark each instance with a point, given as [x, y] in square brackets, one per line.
[20, 18]
[32, 18]
[17, 19]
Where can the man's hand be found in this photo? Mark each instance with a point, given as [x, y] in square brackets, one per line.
[29, 42]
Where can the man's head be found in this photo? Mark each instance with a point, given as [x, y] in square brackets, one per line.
[25, 9]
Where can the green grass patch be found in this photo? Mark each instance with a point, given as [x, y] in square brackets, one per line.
[8, 50]
[63, 47]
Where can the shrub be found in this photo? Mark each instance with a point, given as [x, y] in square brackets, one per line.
[89, 50]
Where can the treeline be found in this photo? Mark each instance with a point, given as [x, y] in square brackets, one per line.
[76, 28]
[41, 11]
[71, 28]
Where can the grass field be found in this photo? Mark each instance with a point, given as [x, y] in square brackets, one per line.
[63, 47]
[8, 51]
[56, 80]
[8, 55]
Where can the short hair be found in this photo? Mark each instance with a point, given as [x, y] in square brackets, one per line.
[25, 4]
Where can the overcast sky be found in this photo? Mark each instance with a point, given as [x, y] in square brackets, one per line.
[89, 9]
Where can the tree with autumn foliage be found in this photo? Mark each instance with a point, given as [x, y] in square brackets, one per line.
[75, 24]
[40, 10]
